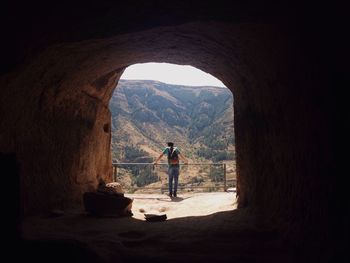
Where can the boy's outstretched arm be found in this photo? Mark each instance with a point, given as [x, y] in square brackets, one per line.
[183, 158]
[160, 156]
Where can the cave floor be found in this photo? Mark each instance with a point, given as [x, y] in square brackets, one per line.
[193, 232]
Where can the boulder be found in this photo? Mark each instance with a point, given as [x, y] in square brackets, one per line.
[113, 188]
[103, 204]
[116, 187]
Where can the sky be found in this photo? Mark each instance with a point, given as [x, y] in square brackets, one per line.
[171, 74]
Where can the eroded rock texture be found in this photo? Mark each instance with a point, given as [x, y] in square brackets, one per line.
[55, 117]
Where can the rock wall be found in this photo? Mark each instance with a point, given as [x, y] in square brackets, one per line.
[60, 134]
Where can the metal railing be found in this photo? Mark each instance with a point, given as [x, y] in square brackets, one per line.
[193, 177]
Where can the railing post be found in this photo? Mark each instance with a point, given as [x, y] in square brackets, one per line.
[210, 168]
[115, 173]
[225, 188]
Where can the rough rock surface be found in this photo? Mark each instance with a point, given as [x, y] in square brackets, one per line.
[102, 204]
[111, 188]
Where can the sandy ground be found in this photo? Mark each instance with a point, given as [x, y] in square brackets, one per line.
[184, 205]
[202, 227]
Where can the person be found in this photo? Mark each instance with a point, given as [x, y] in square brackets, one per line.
[173, 154]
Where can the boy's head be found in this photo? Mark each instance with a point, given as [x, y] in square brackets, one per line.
[170, 144]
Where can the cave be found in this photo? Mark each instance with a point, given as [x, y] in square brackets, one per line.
[58, 77]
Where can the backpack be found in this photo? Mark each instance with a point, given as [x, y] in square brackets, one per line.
[173, 157]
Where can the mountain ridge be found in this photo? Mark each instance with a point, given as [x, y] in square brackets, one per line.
[147, 113]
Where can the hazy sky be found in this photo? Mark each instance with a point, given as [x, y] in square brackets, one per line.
[171, 74]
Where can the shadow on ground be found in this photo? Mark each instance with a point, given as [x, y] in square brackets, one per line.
[233, 236]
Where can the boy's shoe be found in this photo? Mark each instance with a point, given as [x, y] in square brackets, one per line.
[175, 195]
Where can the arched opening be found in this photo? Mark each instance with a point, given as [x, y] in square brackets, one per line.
[77, 81]
[159, 102]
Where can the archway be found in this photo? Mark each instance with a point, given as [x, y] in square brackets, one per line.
[158, 102]
[76, 95]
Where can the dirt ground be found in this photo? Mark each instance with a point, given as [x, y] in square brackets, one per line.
[202, 227]
[184, 205]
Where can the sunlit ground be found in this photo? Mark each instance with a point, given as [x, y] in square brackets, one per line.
[200, 235]
[184, 205]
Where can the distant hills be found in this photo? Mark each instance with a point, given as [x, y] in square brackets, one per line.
[146, 114]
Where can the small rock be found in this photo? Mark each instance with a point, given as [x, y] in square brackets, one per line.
[116, 187]
[141, 210]
[155, 218]
[162, 209]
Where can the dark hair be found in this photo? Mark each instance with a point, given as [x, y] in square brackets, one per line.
[170, 144]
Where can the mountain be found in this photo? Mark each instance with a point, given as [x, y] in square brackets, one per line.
[146, 114]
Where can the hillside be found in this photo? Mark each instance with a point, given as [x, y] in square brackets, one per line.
[146, 114]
